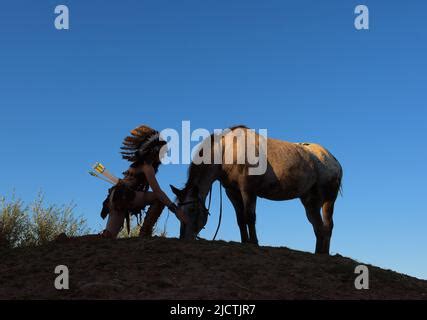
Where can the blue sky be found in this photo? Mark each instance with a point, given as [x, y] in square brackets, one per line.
[297, 68]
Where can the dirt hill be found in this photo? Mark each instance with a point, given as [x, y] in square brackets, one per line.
[162, 268]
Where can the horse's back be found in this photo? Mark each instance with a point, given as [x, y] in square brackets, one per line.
[293, 169]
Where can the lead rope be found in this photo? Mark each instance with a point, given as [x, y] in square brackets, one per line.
[210, 199]
[220, 210]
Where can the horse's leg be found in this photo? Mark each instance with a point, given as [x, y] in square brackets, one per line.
[249, 203]
[312, 208]
[329, 195]
[328, 223]
[237, 202]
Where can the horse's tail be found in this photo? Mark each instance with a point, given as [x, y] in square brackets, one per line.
[340, 187]
[337, 184]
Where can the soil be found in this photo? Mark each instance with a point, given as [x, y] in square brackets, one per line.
[166, 268]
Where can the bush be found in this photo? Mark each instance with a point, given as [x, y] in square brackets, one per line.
[14, 223]
[38, 223]
[50, 221]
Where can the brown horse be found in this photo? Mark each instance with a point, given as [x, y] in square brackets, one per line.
[293, 170]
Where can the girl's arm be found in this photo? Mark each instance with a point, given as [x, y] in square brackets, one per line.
[150, 174]
[152, 181]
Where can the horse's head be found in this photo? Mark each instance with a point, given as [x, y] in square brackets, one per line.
[190, 201]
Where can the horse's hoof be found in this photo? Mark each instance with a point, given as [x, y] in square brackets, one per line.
[254, 243]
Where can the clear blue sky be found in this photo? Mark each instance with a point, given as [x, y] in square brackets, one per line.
[298, 68]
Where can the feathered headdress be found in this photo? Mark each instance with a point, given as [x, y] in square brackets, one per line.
[142, 140]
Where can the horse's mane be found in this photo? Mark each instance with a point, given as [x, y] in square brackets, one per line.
[195, 169]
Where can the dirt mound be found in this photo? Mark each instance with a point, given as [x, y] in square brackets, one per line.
[162, 268]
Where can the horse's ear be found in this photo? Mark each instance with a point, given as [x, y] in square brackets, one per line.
[179, 193]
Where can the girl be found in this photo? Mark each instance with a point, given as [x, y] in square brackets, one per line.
[130, 195]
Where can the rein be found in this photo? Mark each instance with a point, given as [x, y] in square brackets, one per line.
[220, 210]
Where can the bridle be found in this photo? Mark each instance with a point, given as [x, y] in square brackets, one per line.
[205, 210]
[196, 201]
[199, 201]
[200, 205]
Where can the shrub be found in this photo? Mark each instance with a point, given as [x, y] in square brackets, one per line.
[51, 220]
[14, 223]
[38, 223]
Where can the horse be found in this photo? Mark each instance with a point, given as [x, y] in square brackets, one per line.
[293, 170]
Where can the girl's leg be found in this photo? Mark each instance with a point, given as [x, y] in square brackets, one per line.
[116, 218]
[142, 199]
[114, 224]
[156, 207]
[151, 218]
